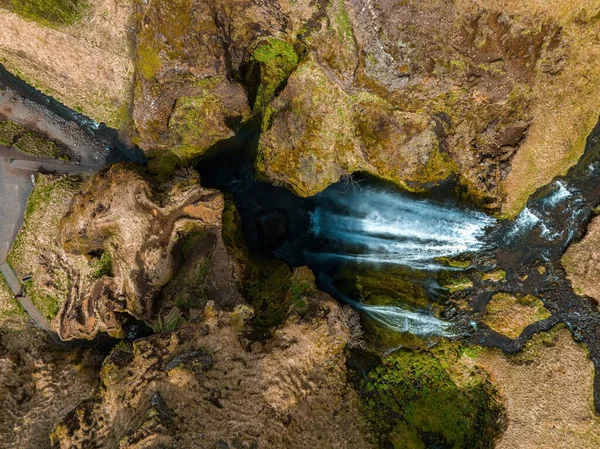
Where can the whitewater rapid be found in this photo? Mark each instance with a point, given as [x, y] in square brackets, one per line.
[378, 227]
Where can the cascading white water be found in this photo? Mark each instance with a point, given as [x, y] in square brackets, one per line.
[397, 229]
[400, 320]
[555, 216]
[376, 227]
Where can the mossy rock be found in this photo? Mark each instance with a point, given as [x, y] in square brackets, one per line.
[413, 401]
[188, 288]
[275, 59]
[199, 122]
[390, 285]
[314, 133]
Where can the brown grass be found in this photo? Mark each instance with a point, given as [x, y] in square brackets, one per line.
[582, 262]
[12, 315]
[509, 315]
[565, 105]
[87, 66]
[548, 394]
[36, 246]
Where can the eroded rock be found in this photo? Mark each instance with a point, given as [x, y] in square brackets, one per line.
[142, 226]
[297, 381]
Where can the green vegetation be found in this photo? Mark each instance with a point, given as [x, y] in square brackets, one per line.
[11, 311]
[53, 13]
[494, 276]
[10, 131]
[266, 282]
[36, 145]
[36, 241]
[13, 134]
[276, 59]
[454, 263]
[103, 266]
[170, 322]
[412, 401]
[454, 281]
[149, 62]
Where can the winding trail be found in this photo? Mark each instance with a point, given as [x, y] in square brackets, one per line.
[16, 184]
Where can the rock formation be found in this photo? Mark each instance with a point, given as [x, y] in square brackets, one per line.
[137, 224]
[206, 386]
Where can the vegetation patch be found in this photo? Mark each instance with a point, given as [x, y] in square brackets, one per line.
[13, 134]
[149, 62]
[510, 315]
[266, 281]
[187, 289]
[12, 314]
[53, 13]
[276, 60]
[415, 400]
[102, 266]
[454, 281]
[36, 247]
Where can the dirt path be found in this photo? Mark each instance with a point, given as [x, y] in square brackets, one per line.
[16, 184]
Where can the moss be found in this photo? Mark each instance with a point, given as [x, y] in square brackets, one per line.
[454, 281]
[163, 163]
[198, 124]
[45, 208]
[413, 401]
[494, 276]
[37, 145]
[342, 20]
[50, 12]
[454, 263]
[276, 59]
[439, 167]
[170, 322]
[149, 62]
[103, 266]
[10, 131]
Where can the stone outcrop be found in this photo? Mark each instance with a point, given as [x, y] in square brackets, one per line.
[413, 94]
[205, 386]
[131, 229]
[40, 385]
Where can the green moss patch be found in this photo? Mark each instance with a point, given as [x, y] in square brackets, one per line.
[413, 401]
[188, 289]
[10, 131]
[149, 62]
[276, 60]
[50, 12]
[13, 134]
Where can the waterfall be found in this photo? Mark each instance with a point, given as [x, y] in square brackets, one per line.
[377, 227]
[400, 320]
